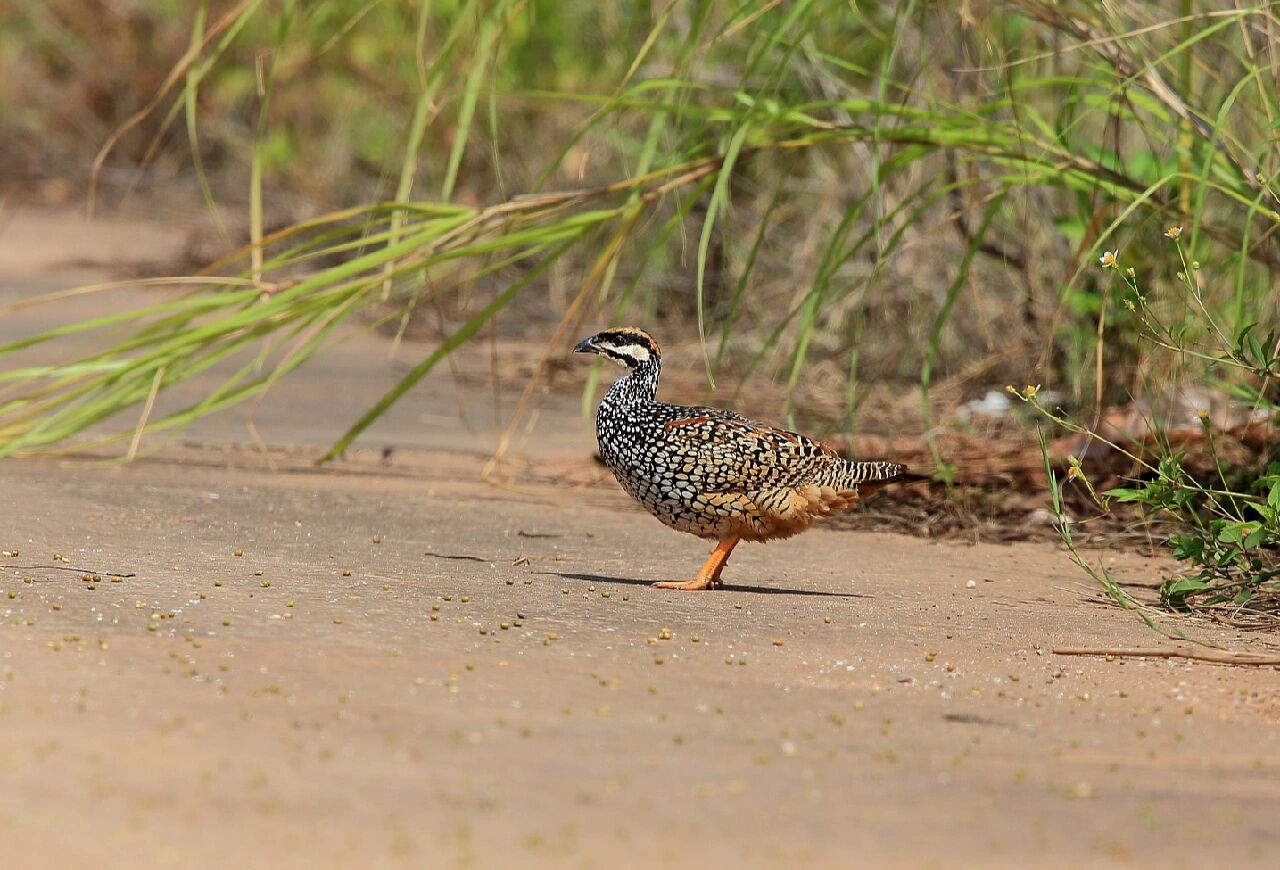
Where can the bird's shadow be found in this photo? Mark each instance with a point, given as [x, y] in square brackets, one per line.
[762, 590]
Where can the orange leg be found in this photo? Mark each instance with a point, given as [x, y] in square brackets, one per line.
[709, 574]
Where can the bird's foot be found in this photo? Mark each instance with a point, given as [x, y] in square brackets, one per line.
[694, 585]
[709, 574]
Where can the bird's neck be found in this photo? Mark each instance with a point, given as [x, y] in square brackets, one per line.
[639, 386]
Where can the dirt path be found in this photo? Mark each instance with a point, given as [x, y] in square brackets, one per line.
[406, 667]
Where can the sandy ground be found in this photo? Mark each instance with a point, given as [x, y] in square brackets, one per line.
[391, 663]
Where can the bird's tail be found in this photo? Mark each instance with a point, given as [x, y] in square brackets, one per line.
[879, 473]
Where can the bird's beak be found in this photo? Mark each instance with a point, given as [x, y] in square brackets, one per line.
[585, 346]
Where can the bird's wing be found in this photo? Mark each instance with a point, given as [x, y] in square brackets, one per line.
[740, 455]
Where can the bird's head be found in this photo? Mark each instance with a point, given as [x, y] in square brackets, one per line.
[627, 345]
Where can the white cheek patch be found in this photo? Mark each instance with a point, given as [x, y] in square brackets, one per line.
[636, 352]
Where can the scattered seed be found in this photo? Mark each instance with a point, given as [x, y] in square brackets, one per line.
[346, 572]
[511, 582]
[551, 635]
[226, 621]
[466, 598]
[217, 582]
[695, 639]
[289, 603]
[435, 617]
[257, 573]
[377, 539]
[665, 634]
[503, 625]
[605, 594]
[57, 606]
[777, 641]
[827, 620]
[658, 660]
[237, 552]
[265, 583]
[930, 655]
[337, 620]
[564, 590]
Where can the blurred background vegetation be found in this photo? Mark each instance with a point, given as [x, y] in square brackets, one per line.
[910, 200]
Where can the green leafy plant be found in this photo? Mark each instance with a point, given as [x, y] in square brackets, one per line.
[1224, 517]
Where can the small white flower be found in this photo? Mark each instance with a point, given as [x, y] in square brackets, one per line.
[1173, 232]
[1108, 259]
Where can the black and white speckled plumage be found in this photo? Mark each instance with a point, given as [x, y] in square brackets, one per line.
[710, 472]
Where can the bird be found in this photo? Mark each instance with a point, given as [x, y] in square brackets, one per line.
[714, 473]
